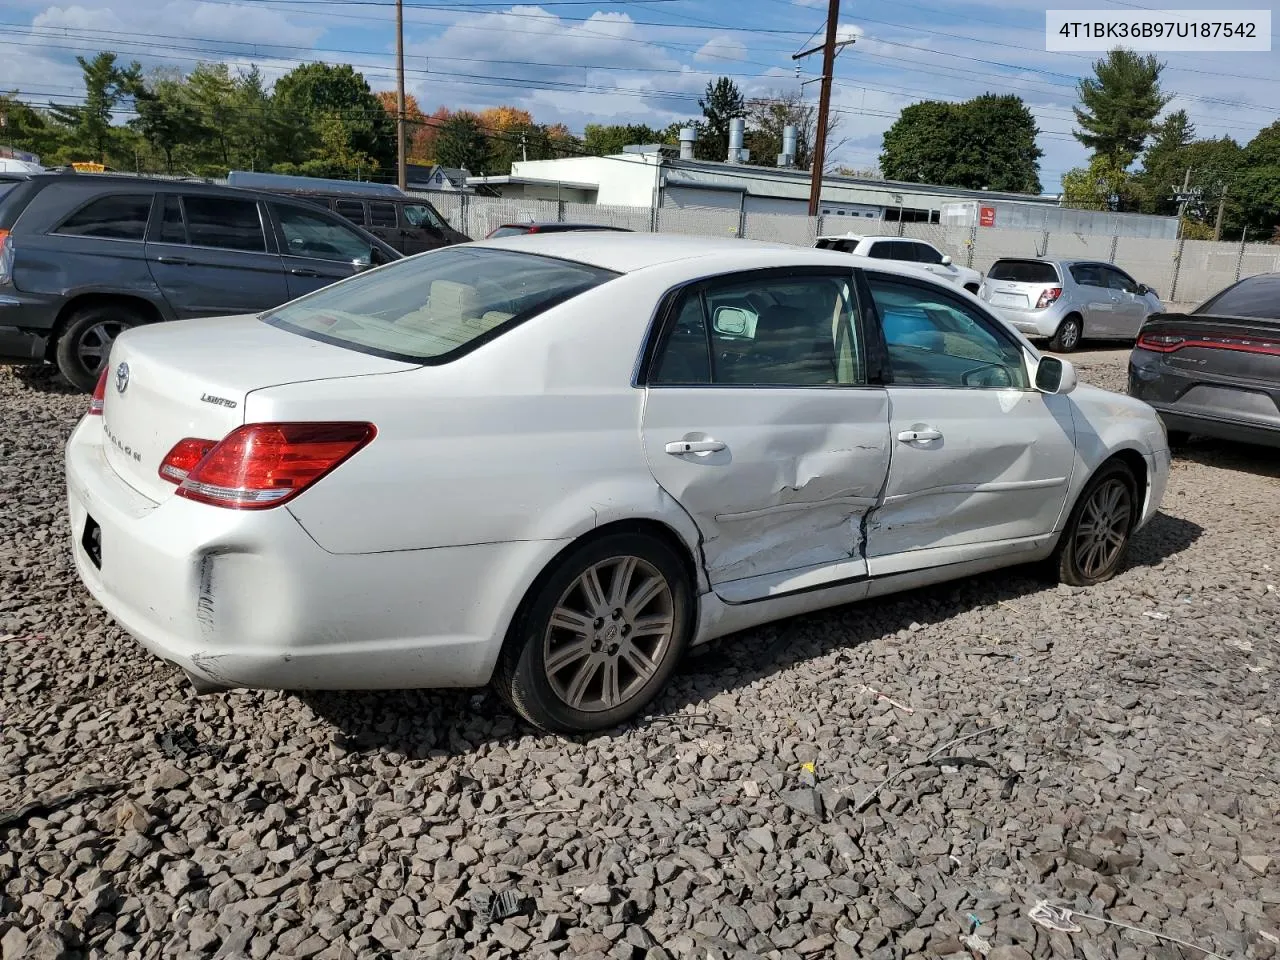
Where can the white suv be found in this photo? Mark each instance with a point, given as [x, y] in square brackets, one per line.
[904, 250]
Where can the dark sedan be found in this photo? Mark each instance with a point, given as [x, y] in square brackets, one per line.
[1215, 372]
[517, 229]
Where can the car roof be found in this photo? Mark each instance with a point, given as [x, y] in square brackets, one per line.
[631, 252]
[869, 236]
[558, 224]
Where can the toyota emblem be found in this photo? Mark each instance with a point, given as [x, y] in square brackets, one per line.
[122, 378]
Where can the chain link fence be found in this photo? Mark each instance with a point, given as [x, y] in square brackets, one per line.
[1181, 271]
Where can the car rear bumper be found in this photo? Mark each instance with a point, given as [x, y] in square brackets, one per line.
[1204, 404]
[25, 323]
[248, 599]
[1031, 323]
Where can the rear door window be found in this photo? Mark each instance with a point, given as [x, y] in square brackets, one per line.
[1023, 271]
[226, 223]
[889, 250]
[117, 217]
[1088, 275]
[352, 210]
[173, 228]
[382, 214]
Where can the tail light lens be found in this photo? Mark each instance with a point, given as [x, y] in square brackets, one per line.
[182, 459]
[99, 398]
[6, 257]
[1169, 342]
[1048, 297]
[261, 465]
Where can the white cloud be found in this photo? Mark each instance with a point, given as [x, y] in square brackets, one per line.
[722, 48]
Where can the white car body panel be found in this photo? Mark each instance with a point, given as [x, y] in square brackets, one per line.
[963, 277]
[405, 568]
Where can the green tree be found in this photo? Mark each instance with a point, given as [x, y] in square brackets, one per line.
[1163, 163]
[165, 119]
[721, 102]
[255, 129]
[1103, 185]
[25, 127]
[462, 143]
[106, 83]
[1119, 105]
[1259, 182]
[608, 139]
[987, 143]
[309, 92]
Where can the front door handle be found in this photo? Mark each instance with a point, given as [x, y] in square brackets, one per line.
[919, 436]
[298, 272]
[678, 448]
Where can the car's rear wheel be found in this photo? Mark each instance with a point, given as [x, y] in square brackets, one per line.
[1096, 537]
[1067, 337]
[600, 636]
[85, 345]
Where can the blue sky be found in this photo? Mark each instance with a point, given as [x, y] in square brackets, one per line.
[580, 61]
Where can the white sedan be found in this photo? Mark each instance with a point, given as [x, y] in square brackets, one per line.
[555, 462]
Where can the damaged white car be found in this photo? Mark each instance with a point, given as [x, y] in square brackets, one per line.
[555, 462]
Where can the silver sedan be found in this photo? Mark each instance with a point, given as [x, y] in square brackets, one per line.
[1065, 301]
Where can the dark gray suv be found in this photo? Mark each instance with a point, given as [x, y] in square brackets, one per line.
[86, 256]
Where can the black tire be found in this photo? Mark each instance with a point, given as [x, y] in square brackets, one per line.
[539, 694]
[1075, 560]
[1068, 336]
[85, 345]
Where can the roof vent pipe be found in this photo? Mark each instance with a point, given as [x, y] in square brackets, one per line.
[687, 137]
[737, 133]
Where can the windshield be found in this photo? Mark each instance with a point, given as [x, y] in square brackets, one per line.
[1254, 297]
[431, 308]
[1023, 271]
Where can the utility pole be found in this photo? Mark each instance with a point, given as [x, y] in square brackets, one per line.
[1222, 206]
[401, 172]
[828, 49]
[1182, 196]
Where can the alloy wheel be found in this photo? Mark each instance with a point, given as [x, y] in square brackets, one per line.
[94, 346]
[1103, 529]
[609, 633]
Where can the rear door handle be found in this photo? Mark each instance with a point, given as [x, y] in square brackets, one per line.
[298, 272]
[174, 261]
[678, 448]
[919, 436]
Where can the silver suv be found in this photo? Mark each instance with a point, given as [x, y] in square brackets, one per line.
[1065, 301]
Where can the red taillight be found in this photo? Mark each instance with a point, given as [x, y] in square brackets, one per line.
[182, 459]
[535, 229]
[1169, 342]
[262, 465]
[99, 398]
[1048, 297]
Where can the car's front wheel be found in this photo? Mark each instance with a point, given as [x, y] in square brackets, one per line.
[85, 345]
[600, 636]
[1096, 537]
[1067, 337]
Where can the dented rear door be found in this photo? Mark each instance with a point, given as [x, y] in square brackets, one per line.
[759, 421]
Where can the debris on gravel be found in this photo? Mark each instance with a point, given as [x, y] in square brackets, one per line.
[1111, 750]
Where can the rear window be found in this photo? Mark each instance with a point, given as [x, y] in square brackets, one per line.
[1023, 271]
[508, 232]
[433, 308]
[119, 217]
[844, 245]
[1255, 297]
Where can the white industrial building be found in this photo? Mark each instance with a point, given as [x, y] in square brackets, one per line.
[656, 176]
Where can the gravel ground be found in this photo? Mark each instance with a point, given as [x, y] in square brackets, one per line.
[901, 778]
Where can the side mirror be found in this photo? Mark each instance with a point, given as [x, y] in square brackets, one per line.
[946, 260]
[1142, 289]
[361, 264]
[1055, 375]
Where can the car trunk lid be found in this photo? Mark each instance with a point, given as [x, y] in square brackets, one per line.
[190, 379]
[1019, 284]
[1242, 349]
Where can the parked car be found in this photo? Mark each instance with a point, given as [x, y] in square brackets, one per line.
[85, 257]
[905, 251]
[1215, 371]
[517, 229]
[1065, 301]
[401, 220]
[556, 462]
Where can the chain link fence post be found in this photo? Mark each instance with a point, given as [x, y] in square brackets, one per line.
[970, 244]
[559, 211]
[1044, 244]
[464, 210]
[1177, 269]
[1244, 235]
[1115, 243]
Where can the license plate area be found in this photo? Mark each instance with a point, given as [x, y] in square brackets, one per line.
[1009, 299]
[91, 541]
